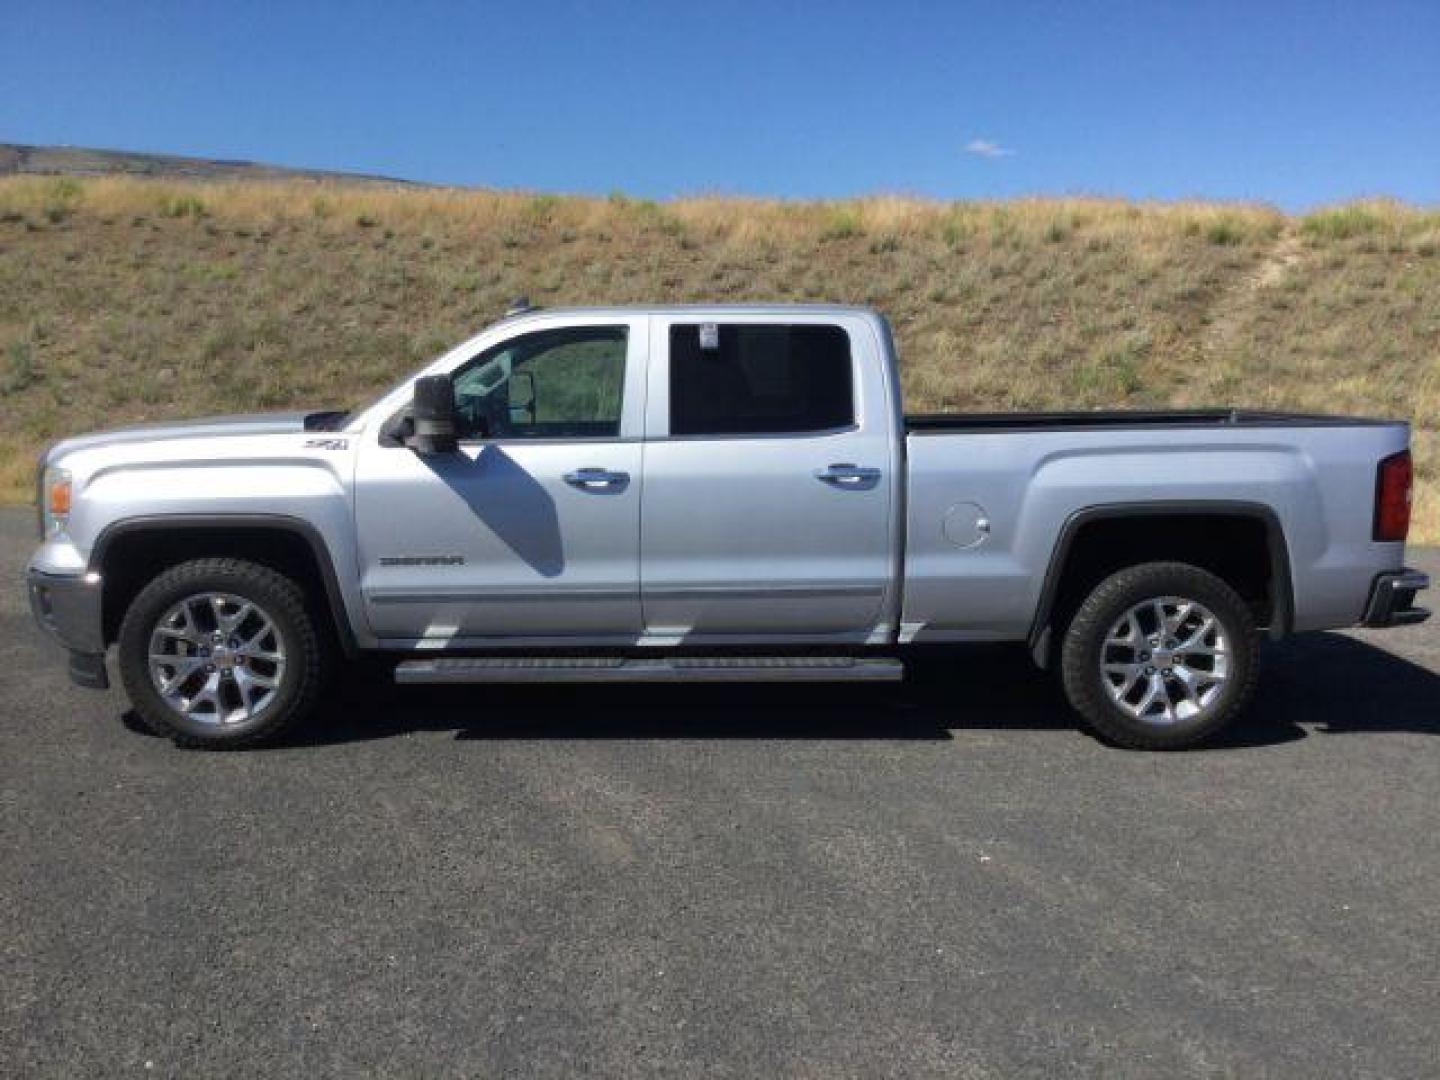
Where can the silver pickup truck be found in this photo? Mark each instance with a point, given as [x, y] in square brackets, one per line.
[708, 494]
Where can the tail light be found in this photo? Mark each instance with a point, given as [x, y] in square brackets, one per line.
[1393, 484]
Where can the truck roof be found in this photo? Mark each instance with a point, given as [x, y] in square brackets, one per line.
[778, 309]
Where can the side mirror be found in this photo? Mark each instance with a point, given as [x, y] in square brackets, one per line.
[436, 426]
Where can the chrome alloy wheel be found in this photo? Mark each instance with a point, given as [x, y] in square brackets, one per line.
[1165, 660]
[216, 658]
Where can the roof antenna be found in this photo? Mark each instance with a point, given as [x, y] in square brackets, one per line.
[519, 306]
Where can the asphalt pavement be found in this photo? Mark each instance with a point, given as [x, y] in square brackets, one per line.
[941, 879]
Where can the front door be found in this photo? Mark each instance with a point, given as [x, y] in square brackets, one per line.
[531, 530]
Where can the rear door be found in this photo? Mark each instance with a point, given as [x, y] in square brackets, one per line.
[769, 480]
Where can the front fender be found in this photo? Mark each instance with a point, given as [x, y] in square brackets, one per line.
[225, 483]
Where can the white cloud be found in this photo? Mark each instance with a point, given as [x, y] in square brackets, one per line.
[987, 149]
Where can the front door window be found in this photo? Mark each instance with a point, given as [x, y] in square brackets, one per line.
[551, 384]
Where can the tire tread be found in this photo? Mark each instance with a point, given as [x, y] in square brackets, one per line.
[310, 652]
[1084, 687]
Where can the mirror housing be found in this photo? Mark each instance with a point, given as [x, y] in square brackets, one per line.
[436, 422]
[521, 401]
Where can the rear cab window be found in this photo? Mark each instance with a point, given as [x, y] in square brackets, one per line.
[759, 379]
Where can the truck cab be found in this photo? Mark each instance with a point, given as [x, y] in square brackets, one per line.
[642, 478]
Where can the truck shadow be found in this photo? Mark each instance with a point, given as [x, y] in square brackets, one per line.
[1335, 684]
[510, 502]
[1318, 683]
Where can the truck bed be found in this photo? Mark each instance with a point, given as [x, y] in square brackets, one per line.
[988, 496]
[952, 423]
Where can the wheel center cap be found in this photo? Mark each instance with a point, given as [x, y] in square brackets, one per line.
[222, 658]
[1163, 659]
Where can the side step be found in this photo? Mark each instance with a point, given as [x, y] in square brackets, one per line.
[553, 669]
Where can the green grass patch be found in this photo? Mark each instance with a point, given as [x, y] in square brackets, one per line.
[842, 223]
[1342, 223]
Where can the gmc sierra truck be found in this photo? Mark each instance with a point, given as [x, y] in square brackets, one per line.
[710, 494]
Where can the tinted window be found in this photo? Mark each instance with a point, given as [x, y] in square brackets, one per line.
[759, 380]
[546, 385]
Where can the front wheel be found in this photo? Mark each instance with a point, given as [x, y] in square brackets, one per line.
[1160, 656]
[221, 653]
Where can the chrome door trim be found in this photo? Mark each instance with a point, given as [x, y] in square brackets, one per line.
[595, 592]
[742, 592]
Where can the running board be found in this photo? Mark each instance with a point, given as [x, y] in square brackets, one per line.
[711, 669]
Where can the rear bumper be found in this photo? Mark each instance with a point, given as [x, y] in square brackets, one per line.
[1392, 599]
[67, 607]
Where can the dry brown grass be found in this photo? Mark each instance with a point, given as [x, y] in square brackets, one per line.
[124, 299]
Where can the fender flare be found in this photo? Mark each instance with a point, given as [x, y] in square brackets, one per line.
[286, 523]
[1282, 587]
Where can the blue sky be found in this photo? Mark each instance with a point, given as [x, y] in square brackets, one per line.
[1296, 103]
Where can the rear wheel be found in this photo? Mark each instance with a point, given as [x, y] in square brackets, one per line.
[221, 653]
[1160, 656]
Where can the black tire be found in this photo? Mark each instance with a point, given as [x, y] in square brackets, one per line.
[1088, 689]
[306, 649]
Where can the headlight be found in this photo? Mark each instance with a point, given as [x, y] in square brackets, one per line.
[55, 505]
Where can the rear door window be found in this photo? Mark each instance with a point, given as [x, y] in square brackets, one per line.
[752, 379]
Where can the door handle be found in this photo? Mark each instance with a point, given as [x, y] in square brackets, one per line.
[597, 479]
[845, 475]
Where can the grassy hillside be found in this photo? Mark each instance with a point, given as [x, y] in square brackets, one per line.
[123, 299]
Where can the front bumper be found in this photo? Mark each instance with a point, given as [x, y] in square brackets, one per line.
[67, 607]
[1392, 599]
